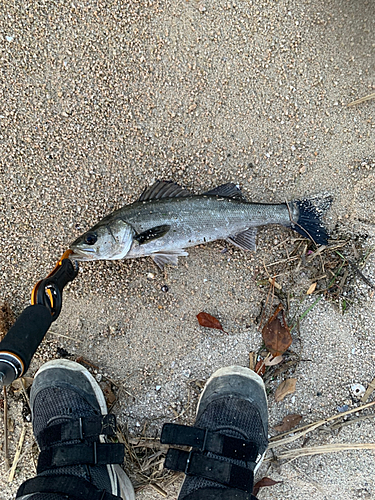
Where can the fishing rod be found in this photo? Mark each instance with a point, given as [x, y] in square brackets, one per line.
[22, 340]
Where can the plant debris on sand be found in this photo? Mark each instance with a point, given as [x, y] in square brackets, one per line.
[324, 271]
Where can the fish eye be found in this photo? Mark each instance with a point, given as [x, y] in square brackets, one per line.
[91, 238]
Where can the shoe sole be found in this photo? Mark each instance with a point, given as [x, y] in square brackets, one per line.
[235, 371]
[114, 470]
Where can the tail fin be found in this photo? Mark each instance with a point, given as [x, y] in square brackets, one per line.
[309, 224]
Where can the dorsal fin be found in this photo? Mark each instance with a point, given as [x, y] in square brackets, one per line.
[228, 190]
[163, 189]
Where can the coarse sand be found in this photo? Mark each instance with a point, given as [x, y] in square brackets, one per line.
[101, 98]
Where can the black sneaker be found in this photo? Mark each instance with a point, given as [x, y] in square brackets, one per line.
[228, 441]
[71, 425]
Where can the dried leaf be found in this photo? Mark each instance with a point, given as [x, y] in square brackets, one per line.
[289, 421]
[209, 321]
[110, 396]
[276, 333]
[265, 481]
[285, 388]
[273, 361]
[260, 367]
[311, 289]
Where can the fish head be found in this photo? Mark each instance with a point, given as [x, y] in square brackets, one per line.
[108, 240]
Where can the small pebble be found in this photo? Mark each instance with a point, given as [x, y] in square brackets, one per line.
[358, 390]
[342, 409]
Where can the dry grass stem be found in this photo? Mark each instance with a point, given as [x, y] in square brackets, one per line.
[159, 489]
[17, 455]
[144, 459]
[360, 274]
[280, 440]
[362, 99]
[252, 360]
[316, 253]
[65, 336]
[23, 386]
[283, 261]
[340, 425]
[319, 450]
[370, 389]
[148, 443]
[274, 284]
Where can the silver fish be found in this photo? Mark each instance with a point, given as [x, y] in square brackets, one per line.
[167, 219]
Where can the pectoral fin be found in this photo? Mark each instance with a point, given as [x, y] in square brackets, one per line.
[152, 234]
[171, 257]
[245, 240]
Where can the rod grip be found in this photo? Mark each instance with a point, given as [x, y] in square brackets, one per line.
[23, 339]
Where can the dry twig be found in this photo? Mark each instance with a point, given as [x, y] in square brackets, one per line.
[318, 450]
[362, 99]
[370, 389]
[302, 431]
[17, 455]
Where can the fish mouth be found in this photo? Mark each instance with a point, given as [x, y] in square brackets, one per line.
[83, 255]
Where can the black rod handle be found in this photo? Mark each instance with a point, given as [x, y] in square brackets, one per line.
[20, 343]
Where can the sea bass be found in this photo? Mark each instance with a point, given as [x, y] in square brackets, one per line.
[167, 219]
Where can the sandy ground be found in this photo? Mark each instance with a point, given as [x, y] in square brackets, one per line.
[99, 99]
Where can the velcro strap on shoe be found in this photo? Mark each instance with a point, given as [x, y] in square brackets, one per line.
[206, 440]
[196, 464]
[81, 454]
[83, 428]
[219, 494]
[73, 487]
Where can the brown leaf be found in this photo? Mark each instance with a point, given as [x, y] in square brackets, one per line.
[265, 481]
[285, 388]
[110, 396]
[311, 289]
[276, 333]
[289, 421]
[209, 321]
[260, 367]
